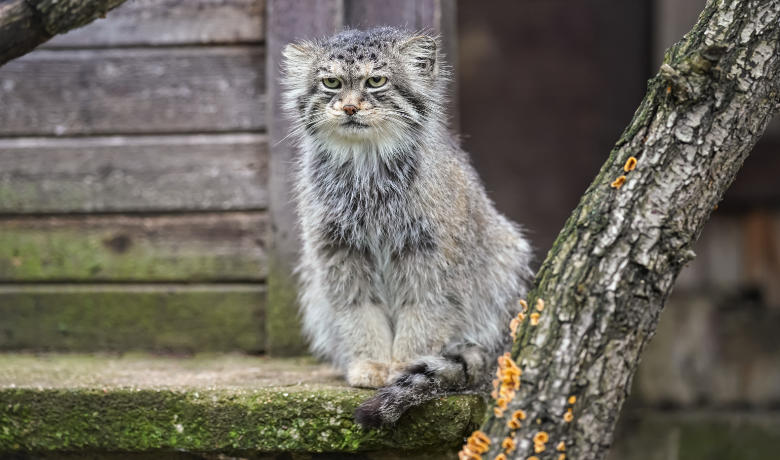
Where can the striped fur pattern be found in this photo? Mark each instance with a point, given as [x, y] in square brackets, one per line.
[409, 275]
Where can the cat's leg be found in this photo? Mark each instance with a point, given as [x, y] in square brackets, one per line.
[362, 337]
[420, 330]
[367, 333]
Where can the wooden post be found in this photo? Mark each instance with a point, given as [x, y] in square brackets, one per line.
[288, 21]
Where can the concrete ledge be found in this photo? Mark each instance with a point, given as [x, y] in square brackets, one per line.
[216, 403]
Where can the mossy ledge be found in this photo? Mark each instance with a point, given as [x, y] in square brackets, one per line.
[217, 403]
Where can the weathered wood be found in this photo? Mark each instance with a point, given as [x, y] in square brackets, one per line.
[144, 173]
[172, 22]
[162, 318]
[756, 187]
[718, 346]
[133, 91]
[720, 259]
[605, 281]
[288, 21]
[25, 24]
[188, 247]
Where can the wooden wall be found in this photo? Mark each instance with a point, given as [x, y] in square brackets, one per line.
[133, 174]
[142, 204]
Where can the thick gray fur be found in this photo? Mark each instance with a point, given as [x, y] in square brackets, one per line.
[409, 276]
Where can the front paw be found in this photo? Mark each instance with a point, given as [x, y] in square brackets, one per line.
[396, 370]
[367, 374]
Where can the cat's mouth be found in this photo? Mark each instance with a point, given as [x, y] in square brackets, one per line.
[354, 124]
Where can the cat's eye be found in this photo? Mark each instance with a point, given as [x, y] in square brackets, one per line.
[376, 82]
[331, 83]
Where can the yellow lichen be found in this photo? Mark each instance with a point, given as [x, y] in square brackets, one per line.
[539, 304]
[533, 457]
[534, 319]
[568, 416]
[517, 416]
[500, 457]
[508, 444]
[561, 447]
[514, 324]
[523, 304]
[478, 443]
[618, 182]
[562, 457]
[572, 399]
[467, 454]
[630, 164]
[541, 437]
[538, 447]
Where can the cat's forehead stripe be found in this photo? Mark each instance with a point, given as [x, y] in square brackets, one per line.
[353, 45]
[356, 69]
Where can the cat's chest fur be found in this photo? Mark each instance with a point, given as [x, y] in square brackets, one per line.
[370, 205]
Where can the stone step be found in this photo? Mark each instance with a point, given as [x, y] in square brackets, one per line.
[229, 404]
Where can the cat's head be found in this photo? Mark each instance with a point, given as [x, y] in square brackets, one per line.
[378, 86]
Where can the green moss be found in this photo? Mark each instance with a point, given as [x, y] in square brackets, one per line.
[283, 328]
[205, 403]
[262, 420]
[122, 318]
[30, 251]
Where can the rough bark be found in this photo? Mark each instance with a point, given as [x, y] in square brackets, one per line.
[25, 24]
[606, 278]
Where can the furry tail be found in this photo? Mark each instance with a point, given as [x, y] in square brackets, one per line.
[463, 368]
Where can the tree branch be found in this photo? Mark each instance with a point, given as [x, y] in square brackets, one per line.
[604, 282]
[25, 24]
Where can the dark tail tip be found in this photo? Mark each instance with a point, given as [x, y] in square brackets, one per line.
[369, 414]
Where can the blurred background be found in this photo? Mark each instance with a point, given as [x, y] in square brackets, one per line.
[141, 188]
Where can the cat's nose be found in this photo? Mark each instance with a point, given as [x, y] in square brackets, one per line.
[350, 109]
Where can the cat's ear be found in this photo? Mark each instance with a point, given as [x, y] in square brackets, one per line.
[300, 54]
[422, 52]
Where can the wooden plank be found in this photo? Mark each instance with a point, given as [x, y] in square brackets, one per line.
[172, 22]
[756, 185]
[288, 20]
[188, 247]
[167, 318]
[146, 173]
[717, 346]
[133, 91]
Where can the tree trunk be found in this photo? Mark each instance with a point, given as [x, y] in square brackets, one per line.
[604, 282]
[25, 24]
